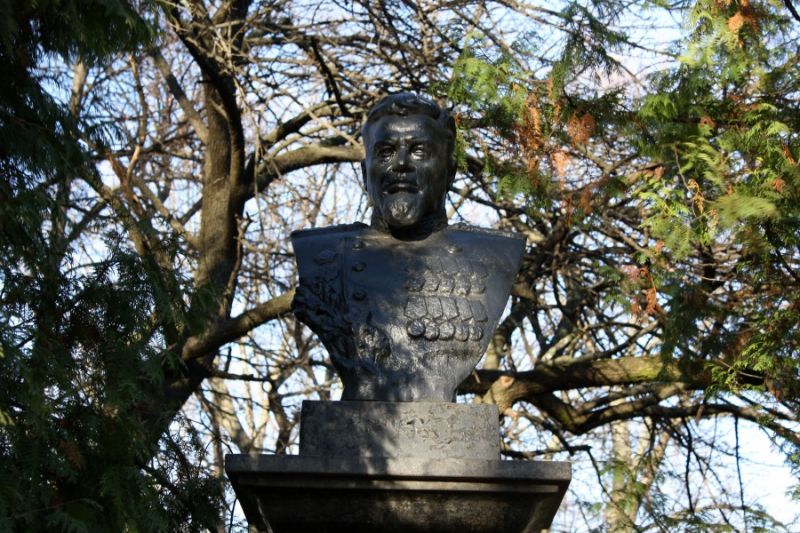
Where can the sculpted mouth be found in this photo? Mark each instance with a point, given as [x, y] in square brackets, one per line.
[401, 186]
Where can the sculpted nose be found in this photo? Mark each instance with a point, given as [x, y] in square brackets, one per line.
[402, 162]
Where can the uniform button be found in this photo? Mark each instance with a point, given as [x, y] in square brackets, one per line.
[453, 249]
[358, 267]
[415, 328]
[358, 245]
[478, 287]
[475, 333]
[359, 294]
[431, 332]
[446, 331]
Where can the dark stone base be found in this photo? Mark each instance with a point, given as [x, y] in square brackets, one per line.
[432, 430]
[397, 467]
[296, 494]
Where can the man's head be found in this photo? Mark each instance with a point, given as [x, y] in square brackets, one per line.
[409, 164]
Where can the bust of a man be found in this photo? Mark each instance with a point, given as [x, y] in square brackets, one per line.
[406, 306]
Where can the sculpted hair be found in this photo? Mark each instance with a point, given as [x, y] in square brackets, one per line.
[405, 104]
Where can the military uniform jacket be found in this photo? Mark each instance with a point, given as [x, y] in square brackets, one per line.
[404, 320]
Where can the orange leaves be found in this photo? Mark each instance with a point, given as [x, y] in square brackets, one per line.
[736, 22]
[640, 281]
[580, 128]
[651, 297]
[707, 121]
[548, 133]
[788, 155]
[698, 200]
[585, 201]
[72, 453]
[530, 131]
[560, 162]
[541, 117]
[534, 116]
[651, 305]
[634, 274]
[529, 134]
[744, 16]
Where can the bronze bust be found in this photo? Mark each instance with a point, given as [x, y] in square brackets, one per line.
[406, 306]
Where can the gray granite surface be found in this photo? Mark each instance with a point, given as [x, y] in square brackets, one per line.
[313, 494]
[410, 429]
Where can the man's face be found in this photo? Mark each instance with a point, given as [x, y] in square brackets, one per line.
[408, 169]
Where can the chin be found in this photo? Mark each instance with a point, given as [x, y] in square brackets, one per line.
[401, 213]
[404, 223]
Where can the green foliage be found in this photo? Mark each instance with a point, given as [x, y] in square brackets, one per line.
[488, 82]
[731, 146]
[712, 172]
[78, 352]
[89, 30]
[534, 119]
[73, 375]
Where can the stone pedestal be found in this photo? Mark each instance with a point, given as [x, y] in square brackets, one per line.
[392, 467]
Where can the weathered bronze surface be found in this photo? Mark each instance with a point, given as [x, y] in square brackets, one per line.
[406, 306]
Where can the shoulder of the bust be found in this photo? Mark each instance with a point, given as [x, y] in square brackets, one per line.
[339, 229]
[486, 231]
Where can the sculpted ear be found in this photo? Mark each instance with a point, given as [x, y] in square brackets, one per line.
[451, 172]
[371, 202]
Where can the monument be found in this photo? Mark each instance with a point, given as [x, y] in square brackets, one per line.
[406, 307]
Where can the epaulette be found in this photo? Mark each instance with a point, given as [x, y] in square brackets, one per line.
[340, 228]
[487, 231]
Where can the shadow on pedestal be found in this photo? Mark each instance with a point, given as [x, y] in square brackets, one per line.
[386, 467]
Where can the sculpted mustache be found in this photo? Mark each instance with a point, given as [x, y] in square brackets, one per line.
[400, 184]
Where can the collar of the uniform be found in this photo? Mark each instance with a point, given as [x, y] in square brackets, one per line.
[428, 225]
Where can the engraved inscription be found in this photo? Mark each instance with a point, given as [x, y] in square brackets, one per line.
[367, 430]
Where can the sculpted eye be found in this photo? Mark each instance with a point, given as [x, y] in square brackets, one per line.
[384, 152]
[419, 150]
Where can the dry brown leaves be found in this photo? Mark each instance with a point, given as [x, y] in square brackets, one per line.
[560, 162]
[653, 307]
[529, 134]
[705, 120]
[736, 22]
[788, 155]
[697, 197]
[585, 202]
[580, 128]
[745, 16]
[72, 453]
[645, 300]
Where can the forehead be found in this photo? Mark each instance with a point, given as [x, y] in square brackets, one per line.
[398, 127]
